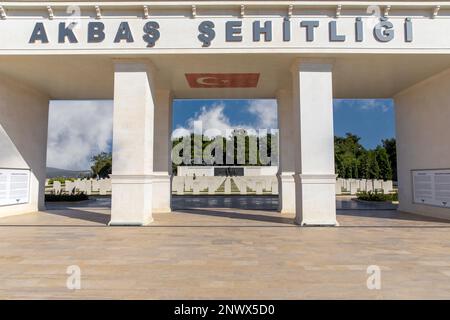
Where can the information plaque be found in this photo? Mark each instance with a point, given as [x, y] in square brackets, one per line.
[431, 187]
[14, 186]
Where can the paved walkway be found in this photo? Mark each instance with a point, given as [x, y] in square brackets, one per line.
[223, 253]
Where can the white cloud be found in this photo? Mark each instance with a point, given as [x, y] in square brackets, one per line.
[77, 131]
[266, 113]
[180, 132]
[215, 120]
[212, 119]
[373, 104]
[383, 105]
[80, 129]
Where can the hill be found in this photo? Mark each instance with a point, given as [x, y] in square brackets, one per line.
[56, 172]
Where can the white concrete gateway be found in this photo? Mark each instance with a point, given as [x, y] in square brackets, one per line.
[304, 53]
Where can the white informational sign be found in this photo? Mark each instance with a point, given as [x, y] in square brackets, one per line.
[431, 187]
[14, 186]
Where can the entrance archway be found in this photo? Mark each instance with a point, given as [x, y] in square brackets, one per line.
[233, 148]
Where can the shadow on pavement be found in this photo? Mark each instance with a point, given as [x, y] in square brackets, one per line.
[249, 216]
[91, 216]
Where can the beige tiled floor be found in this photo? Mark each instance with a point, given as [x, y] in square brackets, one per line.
[223, 253]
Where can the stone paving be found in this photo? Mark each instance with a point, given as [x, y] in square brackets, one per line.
[223, 254]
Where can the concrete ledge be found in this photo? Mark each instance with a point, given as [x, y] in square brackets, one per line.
[317, 224]
[129, 223]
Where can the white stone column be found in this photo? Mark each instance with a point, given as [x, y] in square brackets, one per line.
[162, 146]
[133, 131]
[314, 150]
[286, 166]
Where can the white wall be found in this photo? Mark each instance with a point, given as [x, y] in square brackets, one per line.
[423, 136]
[181, 31]
[23, 139]
[198, 171]
[260, 171]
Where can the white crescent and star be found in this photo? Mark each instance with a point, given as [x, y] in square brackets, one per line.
[212, 81]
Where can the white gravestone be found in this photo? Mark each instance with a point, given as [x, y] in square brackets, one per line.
[57, 187]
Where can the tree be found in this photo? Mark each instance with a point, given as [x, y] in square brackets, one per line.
[250, 141]
[383, 162]
[372, 165]
[339, 165]
[391, 148]
[347, 151]
[352, 160]
[102, 165]
[363, 166]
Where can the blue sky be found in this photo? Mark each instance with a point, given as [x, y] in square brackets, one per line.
[371, 119]
[185, 109]
[80, 129]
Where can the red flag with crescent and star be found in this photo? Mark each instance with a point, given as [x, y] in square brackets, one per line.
[222, 80]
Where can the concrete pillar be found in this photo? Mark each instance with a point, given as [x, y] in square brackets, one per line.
[133, 131]
[23, 140]
[314, 148]
[286, 168]
[162, 146]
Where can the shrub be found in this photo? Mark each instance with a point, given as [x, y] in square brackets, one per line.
[392, 196]
[370, 196]
[377, 196]
[80, 196]
[60, 179]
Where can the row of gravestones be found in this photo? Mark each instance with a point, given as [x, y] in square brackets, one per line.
[353, 186]
[197, 185]
[224, 185]
[217, 185]
[259, 185]
[87, 186]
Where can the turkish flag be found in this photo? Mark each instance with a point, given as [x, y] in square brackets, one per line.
[222, 80]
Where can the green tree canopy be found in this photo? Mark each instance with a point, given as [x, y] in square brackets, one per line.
[347, 152]
[391, 148]
[102, 165]
[384, 164]
[352, 160]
